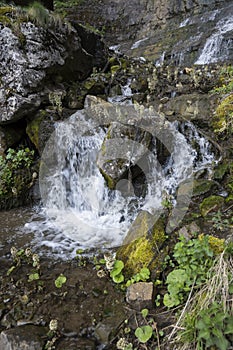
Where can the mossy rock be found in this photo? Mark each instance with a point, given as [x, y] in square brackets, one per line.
[141, 247]
[223, 118]
[33, 129]
[220, 170]
[202, 186]
[211, 203]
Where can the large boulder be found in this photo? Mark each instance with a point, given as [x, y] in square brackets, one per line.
[35, 60]
[124, 146]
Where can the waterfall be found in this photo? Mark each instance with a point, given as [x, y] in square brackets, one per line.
[217, 47]
[78, 205]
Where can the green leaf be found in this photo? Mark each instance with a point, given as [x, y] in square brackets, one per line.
[144, 274]
[144, 312]
[118, 278]
[171, 300]
[61, 279]
[10, 270]
[33, 277]
[117, 268]
[221, 342]
[144, 333]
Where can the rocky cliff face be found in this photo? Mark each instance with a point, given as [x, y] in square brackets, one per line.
[35, 61]
[167, 32]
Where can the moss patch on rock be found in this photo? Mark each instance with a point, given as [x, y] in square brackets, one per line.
[211, 203]
[223, 118]
[202, 186]
[142, 244]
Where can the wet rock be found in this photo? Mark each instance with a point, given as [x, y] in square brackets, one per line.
[212, 203]
[28, 337]
[141, 247]
[76, 344]
[122, 148]
[139, 295]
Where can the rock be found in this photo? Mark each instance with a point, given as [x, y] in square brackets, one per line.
[141, 247]
[212, 203]
[189, 230]
[122, 149]
[27, 337]
[202, 186]
[76, 344]
[10, 135]
[220, 170]
[40, 128]
[139, 295]
[168, 32]
[107, 329]
[37, 67]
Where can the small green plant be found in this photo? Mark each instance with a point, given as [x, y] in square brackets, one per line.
[219, 223]
[193, 258]
[116, 272]
[10, 164]
[144, 313]
[206, 321]
[143, 275]
[60, 280]
[33, 277]
[144, 333]
[213, 325]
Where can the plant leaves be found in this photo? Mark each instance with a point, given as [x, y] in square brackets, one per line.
[118, 278]
[144, 312]
[117, 268]
[144, 333]
[33, 277]
[61, 279]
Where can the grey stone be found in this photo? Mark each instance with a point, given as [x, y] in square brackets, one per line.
[30, 71]
[27, 337]
[140, 294]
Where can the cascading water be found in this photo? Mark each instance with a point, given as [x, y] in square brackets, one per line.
[80, 209]
[217, 47]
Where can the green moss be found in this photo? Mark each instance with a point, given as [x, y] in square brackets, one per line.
[223, 118]
[110, 181]
[141, 247]
[33, 128]
[220, 170]
[211, 203]
[216, 244]
[202, 186]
